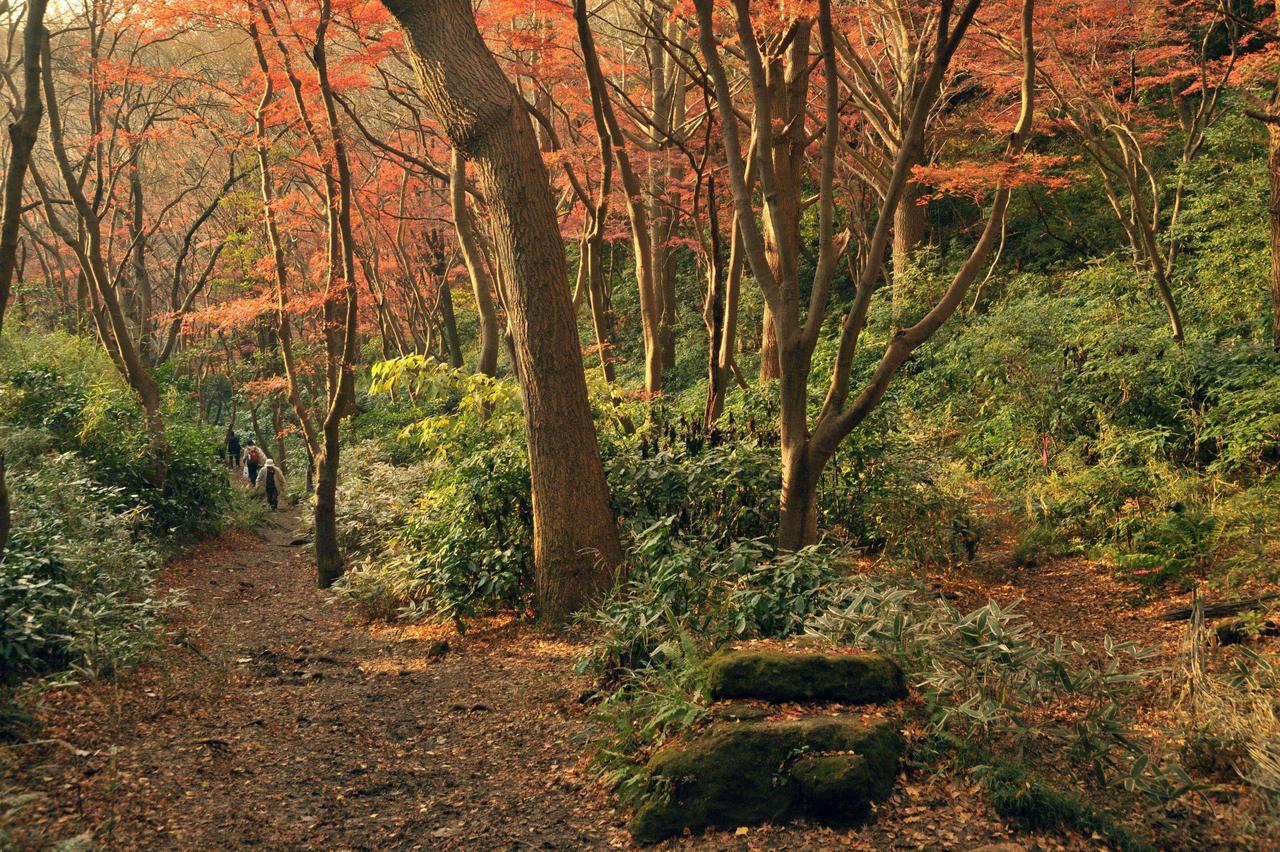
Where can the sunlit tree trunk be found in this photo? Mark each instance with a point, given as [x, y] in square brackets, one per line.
[637, 208]
[576, 548]
[908, 228]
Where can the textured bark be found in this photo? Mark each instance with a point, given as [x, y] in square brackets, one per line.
[908, 228]
[576, 549]
[22, 139]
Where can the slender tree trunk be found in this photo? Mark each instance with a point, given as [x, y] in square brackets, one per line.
[452, 344]
[111, 322]
[22, 139]
[637, 208]
[713, 314]
[481, 286]
[141, 281]
[575, 543]
[277, 425]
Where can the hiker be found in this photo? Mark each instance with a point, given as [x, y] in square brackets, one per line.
[252, 461]
[233, 447]
[271, 483]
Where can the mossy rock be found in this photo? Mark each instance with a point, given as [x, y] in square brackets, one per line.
[738, 712]
[835, 787]
[748, 773]
[804, 676]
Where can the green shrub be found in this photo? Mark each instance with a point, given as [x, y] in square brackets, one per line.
[75, 578]
[100, 422]
[984, 674]
[1020, 796]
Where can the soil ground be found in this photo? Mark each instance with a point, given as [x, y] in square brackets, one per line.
[272, 718]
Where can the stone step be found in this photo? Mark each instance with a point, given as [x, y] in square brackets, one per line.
[747, 773]
[786, 675]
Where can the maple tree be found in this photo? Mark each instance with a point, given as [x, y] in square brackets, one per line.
[1110, 68]
[788, 153]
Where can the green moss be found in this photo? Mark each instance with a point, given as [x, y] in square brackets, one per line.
[786, 676]
[742, 774]
[836, 787]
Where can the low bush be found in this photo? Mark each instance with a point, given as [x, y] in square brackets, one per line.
[89, 532]
[75, 579]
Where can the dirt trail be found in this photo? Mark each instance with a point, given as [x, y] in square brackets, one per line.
[273, 719]
[276, 720]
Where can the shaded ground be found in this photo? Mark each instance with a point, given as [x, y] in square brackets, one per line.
[274, 719]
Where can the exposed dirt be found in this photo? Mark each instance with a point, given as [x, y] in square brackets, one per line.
[272, 718]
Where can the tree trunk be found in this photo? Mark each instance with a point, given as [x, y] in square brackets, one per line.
[769, 369]
[713, 314]
[908, 228]
[575, 543]
[798, 515]
[452, 344]
[647, 273]
[113, 328]
[481, 286]
[329, 564]
[22, 139]
[724, 358]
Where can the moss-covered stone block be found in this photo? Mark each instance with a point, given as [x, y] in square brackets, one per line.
[835, 787]
[777, 676]
[745, 774]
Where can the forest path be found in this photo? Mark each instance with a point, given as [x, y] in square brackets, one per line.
[273, 718]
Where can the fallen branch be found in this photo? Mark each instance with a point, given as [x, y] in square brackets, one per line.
[1219, 610]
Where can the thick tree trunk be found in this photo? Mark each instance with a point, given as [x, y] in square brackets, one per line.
[908, 228]
[798, 515]
[575, 542]
[22, 139]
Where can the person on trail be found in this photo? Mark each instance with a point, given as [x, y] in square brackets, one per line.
[252, 461]
[271, 483]
[233, 447]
